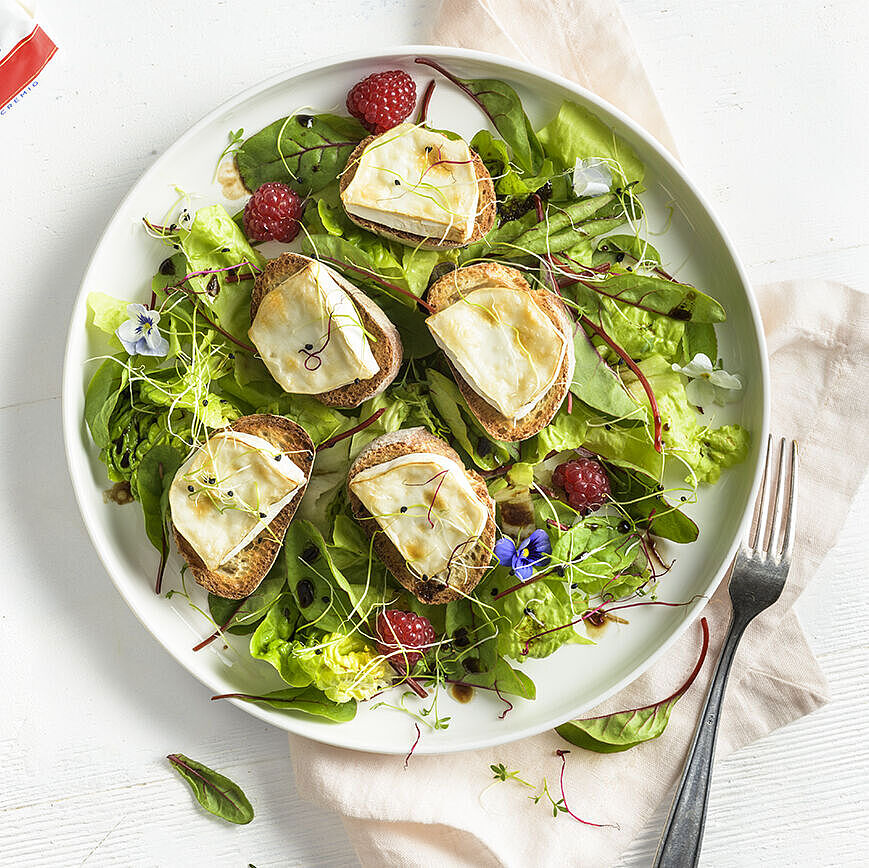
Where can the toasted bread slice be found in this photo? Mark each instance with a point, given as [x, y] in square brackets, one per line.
[449, 289]
[241, 575]
[385, 344]
[404, 442]
[486, 207]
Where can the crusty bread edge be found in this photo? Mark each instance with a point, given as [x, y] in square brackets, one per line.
[386, 344]
[486, 208]
[447, 290]
[288, 436]
[404, 442]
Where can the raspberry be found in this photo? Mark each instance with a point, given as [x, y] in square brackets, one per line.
[399, 631]
[383, 100]
[584, 482]
[272, 213]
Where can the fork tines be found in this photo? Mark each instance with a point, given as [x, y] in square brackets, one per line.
[767, 539]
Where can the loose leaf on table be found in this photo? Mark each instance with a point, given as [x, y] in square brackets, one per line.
[640, 497]
[216, 793]
[612, 733]
[309, 700]
[502, 106]
[305, 151]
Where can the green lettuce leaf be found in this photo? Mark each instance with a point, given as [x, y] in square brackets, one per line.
[343, 666]
[274, 640]
[528, 614]
[464, 426]
[509, 180]
[706, 451]
[597, 557]
[576, 132]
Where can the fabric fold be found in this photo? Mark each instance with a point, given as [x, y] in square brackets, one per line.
[439, 812]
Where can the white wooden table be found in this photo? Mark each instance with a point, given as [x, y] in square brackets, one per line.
[768, 103]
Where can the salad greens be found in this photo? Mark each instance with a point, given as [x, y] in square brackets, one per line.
[215, 792]
[312, 619]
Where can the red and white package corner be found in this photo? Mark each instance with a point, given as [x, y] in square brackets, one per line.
[25, 49]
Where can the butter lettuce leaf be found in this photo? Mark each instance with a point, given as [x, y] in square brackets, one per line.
[705, 451]
[343, 666]
[576, 132]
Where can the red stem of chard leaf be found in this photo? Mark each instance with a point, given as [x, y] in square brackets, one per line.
[418, 734]
[425, 61]
[426, 99]
[220, 629]
[679, 691]
[563, 754]
[520, 585]
[332, 441]
[656, 416]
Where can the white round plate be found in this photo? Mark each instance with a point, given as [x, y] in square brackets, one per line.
[575, 678]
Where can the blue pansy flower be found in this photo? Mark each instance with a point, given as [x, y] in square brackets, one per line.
[140, 335]
[532, 552]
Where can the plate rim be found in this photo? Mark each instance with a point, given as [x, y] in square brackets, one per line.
[329, 734]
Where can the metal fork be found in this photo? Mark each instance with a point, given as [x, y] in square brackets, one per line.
[759, 574]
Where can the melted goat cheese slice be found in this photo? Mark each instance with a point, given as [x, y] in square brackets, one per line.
[228, 491]
[309, 333]
[417, 181]
[428, 509]
[502, 343]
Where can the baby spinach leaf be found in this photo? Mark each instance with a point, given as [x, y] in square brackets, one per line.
[612, 733]
[242, 616]
[640, 497]
[502, 106]
[216, 793]
[308, 700]
[505, 678]
[101, 398]
[637, 248]
[576, 132]
[595, 382]
[700, 338]
[508, 181]
[305, 151]
[153, 478]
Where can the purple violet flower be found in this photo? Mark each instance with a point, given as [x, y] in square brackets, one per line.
[140, 335]
[532, 552]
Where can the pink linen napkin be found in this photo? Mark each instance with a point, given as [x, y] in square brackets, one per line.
[433, 813]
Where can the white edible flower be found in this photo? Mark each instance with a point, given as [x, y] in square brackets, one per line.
[707, 385]
[591, 177]
[140, 335]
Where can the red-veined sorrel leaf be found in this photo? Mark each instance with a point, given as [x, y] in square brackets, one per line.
[216, 793]
[623, 730]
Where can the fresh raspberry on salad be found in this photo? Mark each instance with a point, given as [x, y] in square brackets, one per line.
[584, 483]
[398, 632]
[272, 213]
[382, 100]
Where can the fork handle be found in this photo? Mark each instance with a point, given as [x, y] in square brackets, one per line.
[683, 831]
